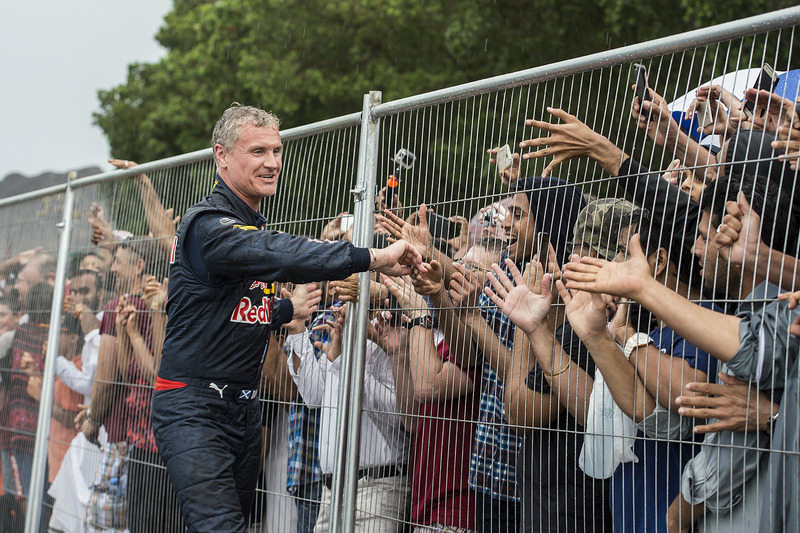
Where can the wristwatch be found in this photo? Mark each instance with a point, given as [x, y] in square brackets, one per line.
[426, 321]
[637, 340]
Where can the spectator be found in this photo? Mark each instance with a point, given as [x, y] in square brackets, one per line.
[27, 346]
[382, 492]
[715, 479]
[130, 346]
[9, 317]
[446, 396]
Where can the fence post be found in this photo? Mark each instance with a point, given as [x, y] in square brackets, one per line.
[34, 497]
[351, 384]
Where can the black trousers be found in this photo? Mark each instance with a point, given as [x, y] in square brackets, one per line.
[211, 447]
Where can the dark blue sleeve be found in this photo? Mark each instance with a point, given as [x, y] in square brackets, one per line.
[227, 249]
[282, 313]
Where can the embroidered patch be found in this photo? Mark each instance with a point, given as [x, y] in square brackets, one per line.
[225, 221]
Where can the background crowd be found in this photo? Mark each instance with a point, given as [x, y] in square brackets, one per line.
[568, 362]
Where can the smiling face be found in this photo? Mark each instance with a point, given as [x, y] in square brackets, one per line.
[251, 168]
[520, 228]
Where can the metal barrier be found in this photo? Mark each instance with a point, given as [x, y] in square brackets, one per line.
[480, 440]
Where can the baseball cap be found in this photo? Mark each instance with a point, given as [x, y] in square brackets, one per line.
[600, 222]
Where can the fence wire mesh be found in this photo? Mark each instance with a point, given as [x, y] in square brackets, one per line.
[493, 398]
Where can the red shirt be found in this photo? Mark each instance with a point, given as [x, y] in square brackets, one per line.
[442, 447]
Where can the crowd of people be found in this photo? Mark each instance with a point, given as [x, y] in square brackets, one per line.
[565, 363]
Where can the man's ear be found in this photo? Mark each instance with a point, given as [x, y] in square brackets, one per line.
[658, 262]
[221, 156]
[140, 264]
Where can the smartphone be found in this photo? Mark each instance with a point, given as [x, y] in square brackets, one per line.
[441, 227]
[543, 249]
[767, 80]
[504, 159]
[346, 222]
[705, 117]
[642, 91]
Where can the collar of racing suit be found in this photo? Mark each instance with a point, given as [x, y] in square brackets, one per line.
[238, 205]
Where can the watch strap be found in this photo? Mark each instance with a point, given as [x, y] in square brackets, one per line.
[637, 340]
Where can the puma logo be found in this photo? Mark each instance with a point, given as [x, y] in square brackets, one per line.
[216, 388]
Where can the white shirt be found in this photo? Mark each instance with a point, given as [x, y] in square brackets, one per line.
[81, 381]
[383, 440]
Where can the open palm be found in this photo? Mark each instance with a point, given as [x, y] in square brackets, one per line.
[616, 278]
[524, 308]
[586, 311]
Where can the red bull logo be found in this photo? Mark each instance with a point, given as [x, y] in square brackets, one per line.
[267, 287]
[248, 313]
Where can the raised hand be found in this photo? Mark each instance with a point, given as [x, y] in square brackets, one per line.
[155, 293]
[524, 308]
[616, 278]
[430, 282]
[586, 312]
[401, 288]
[570, 139]
[305, 299]
[739, 235]
[788, 145]
[465, 288]
[397, 259]
[333, 230]
[725, 108]
[335, 328]
[511, 174]
[660, 124]
[794, 299]
[771, 111]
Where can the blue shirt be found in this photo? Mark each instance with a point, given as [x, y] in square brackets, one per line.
[641, 492]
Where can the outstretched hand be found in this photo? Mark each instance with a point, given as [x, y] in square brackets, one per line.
[397, 259]
[788, 145]
[626, 278]
[736, 404]
[794, 299]
[567, 140]
[586, 312]
[524, 308]
[739, 235]
[305, 300]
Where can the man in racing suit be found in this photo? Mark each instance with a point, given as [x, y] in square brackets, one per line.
[206, 416]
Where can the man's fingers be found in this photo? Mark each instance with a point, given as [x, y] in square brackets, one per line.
[712, 428]
[563, 292]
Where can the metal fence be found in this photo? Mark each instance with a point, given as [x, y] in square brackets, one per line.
[472, 424]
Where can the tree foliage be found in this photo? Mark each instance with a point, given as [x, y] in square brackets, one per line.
[313, 59]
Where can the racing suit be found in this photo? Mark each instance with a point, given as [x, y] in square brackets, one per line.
[206, 416]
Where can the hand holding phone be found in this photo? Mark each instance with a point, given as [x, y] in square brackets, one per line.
[504, 159]
[441, 227]
[642, 91]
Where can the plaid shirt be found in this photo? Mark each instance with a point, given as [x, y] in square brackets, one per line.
[492, 469]
[304, 422]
